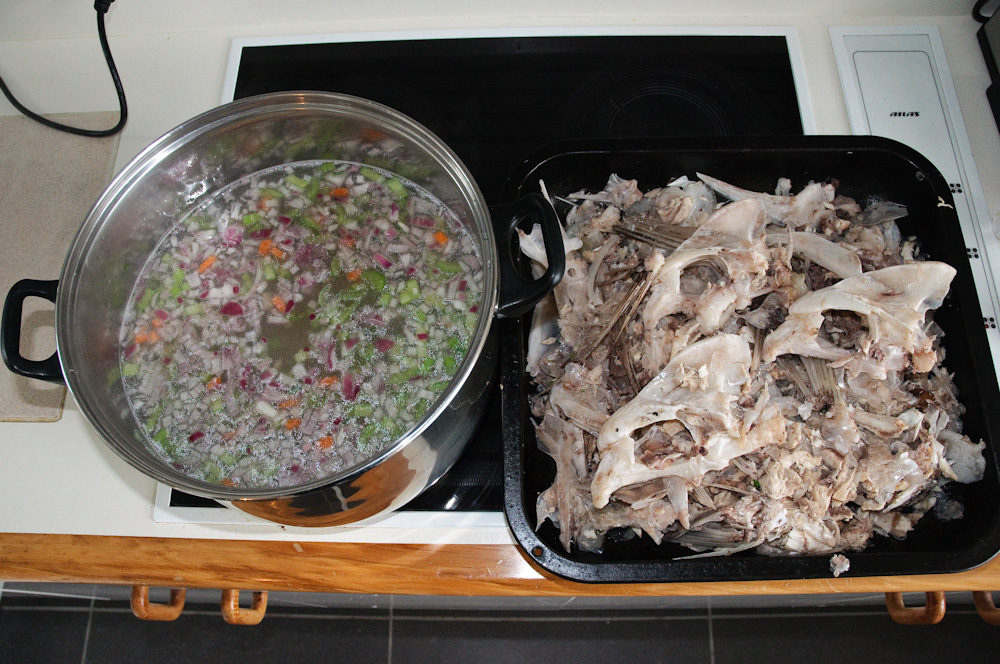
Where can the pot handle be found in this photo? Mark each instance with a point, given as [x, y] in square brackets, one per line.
[519, 294]
[10, 341]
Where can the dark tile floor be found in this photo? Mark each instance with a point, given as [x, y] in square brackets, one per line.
[93, 625]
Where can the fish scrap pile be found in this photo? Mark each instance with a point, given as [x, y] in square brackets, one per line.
[758, 372]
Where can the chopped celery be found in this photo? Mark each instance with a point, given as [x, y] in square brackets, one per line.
[306, 222]
[271, 192]
[296, 181]
[253, 221]
[375, 278]
[130, 369]
[201, 222]
[368, 433]
[410, 292]
[397, 188]
[403, 376]
[447, 267]
[312, 189]
[212, 473]
[154, 417]
[432, 300]
[364, 353]
[362, 410]
[146, 299]
[371, 174]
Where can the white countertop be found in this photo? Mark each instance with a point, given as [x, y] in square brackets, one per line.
[172, 56]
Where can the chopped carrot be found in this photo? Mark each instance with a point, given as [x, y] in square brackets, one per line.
[158, 323]
[372, 135]
[339, 192]
[264, 247]
[354, 274]
[324, 442]
[214, 384]
[264, 202]
[142, 336]
[278, 253]
[292, 423]
[228, 435]
[153, 336]
[440, 237]
[328, 381]
[347, 240]
[228, 482]
[278, 303]
[205, 264]
[288, 403]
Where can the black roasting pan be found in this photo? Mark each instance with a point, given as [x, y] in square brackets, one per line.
[868, 169]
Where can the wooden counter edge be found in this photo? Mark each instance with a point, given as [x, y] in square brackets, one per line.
[409, 569]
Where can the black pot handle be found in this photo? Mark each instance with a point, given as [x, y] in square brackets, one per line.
[10, 341]
[519, 294]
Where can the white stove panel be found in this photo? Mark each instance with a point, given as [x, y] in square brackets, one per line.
[164, 512]
[897, 84]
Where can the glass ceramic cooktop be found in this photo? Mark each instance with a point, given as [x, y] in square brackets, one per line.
[495, 99]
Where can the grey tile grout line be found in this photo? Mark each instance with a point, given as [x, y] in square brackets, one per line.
[391, 602]
[840, 613]
[711, 634]
[90, 619]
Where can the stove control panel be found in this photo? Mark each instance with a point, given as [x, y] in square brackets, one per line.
[897, 84]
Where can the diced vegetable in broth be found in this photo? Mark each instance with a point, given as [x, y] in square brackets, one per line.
[297, 323]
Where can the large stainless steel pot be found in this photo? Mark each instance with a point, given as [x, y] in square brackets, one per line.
[198, 158]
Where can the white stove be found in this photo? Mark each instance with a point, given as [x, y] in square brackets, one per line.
[896, 84]
[174, 69]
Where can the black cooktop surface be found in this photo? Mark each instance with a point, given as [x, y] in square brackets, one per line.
[494, 100]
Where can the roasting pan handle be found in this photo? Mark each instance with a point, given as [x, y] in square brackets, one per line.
[518, 294]
[10, 341]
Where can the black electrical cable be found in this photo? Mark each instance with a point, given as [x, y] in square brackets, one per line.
[977, 11]
[102, 7]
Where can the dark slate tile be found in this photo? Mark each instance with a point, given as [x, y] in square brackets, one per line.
[205, 637]
[540, 637]
[38, 636]
[820, 637]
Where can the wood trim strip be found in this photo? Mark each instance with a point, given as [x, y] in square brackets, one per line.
[408, 569]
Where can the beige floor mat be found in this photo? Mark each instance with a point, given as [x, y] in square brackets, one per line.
[48, 181]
